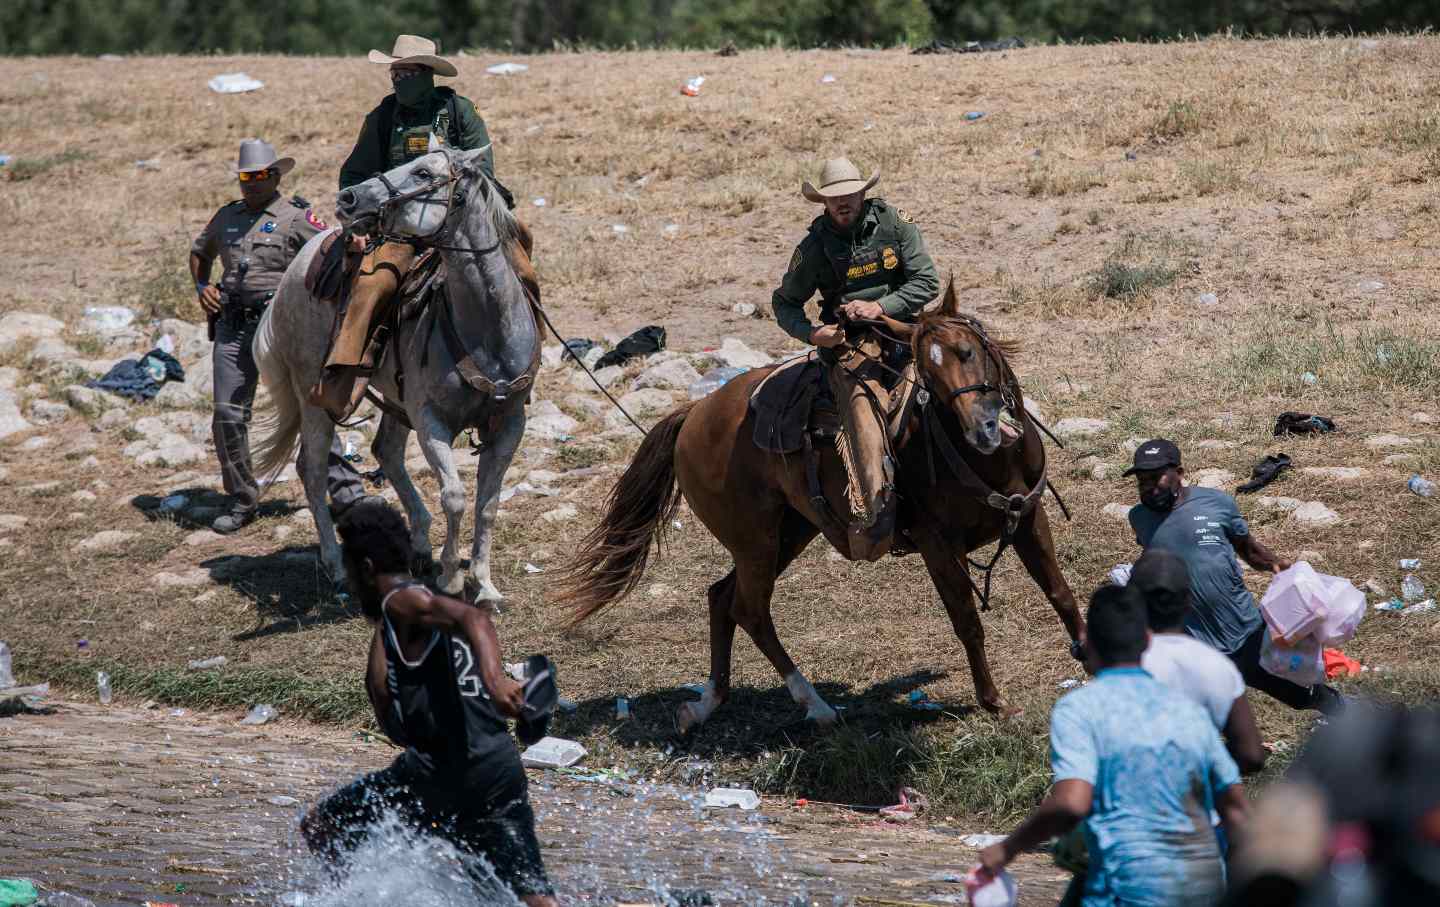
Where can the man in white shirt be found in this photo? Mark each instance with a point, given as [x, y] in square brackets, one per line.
[1184, 663]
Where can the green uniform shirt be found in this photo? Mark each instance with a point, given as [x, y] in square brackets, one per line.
[409, 135]
[881, 259]
[268, 239]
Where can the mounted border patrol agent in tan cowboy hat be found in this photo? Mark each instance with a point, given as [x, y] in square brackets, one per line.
[866, 259]
[838, 177]
[417, 50]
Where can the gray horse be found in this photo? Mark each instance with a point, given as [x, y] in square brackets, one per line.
[444, 200]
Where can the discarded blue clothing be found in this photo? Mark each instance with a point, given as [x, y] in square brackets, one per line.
[140, 379]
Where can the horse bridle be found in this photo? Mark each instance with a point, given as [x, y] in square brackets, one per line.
[395, 198]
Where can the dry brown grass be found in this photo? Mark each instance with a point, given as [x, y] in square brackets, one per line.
[1277, 174]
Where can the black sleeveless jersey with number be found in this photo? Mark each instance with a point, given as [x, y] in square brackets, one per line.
[438, 706]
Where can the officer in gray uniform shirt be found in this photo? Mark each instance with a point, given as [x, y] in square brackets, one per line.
[255, 238]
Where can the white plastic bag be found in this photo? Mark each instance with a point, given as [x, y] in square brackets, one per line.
[1001, 891]
[1301, 602]
[1302, 663]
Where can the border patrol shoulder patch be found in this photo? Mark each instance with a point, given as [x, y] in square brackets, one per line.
[904, 215]
[795, 260]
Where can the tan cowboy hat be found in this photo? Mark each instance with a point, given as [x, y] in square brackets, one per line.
[259, 155]
[838, 177]
[415, 49]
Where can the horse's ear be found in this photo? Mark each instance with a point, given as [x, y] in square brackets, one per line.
[950, 304]
[435, 144]
[473, 158]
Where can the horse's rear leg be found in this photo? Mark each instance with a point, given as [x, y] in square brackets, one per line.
[1037, 552]
[953, 584]
[490, 468]
[435, 440]
[389, 450]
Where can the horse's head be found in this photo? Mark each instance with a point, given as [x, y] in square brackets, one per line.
[412, 200]
[963, 369]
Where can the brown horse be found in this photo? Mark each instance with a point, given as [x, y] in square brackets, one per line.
[955, 496]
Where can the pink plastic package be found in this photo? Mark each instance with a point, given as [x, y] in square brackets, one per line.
[1301, 603]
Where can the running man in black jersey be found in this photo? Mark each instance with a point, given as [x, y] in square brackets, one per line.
[438, 688]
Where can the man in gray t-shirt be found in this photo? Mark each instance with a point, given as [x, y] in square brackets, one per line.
[1204, 528]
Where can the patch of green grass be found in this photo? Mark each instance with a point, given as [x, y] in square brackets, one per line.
[337, 701]
[25, 168]
[1209, 177]
[1122, 276]
[1046, 181]
[1411, 133]
[579, 456]
[1377, 359]
[1181, 118]
[163, 288]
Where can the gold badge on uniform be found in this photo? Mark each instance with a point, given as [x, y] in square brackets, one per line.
[417, 144]
[891, 262]
[795, 261]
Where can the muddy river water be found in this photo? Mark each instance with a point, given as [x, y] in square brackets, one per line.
[127, 805]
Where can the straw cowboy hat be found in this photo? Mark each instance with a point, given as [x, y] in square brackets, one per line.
[415, 49]
[258, 155]
[838, 177]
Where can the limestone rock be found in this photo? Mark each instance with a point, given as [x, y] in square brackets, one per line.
[1336, 473]
[36, 442]
[205, 537]
[83, 496]
[1120, 512]
[188, 579]
[1400, 459]
[1277, 503]
[169, 449]
[92, 402]
[10, 522]
[179, 395]
[1379, 442]
[51, 351]
[191, 342]
[1215, 444]
[675, 374]
[607, 377]
[562, 514]
[1422, 418]
[1314, 514]
[1033, 409]
[106, 540]
[114, 418]
[11, 422]
[48, 412]
[644, 405]
[1212, 478]
[18, 326]
[588, 407]
[735, 353]
[744, 309]
[547, 423]
[1079, 427]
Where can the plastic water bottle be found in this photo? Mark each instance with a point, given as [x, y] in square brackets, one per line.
[1411, 589]
[7, 679]
[102, 684]
[622, 708]
[725, 797]
[1423, 487]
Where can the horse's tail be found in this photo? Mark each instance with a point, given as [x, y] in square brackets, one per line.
[275, 429]
[612, 557]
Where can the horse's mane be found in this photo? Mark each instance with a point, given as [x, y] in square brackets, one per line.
[503, 219]
[941, 322]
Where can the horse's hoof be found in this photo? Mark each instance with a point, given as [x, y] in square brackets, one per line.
[823, 716]
[686, 720]
[455, 585]
[1003, 712]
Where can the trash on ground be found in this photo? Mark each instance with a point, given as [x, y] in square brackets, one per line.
[1120, 574]
[1292, 423]
[1420, 607]
[725, 797]
[985, 890]
[939, 46]
[647, 340]
[18, 892]
[714, 379]
[974, 115]
[1393, 604]
[1208, 299]
[1068, 683]
[917, 696]
[981, 841]
[234, 83]
[577, 347]
[553, 752]
[1303, 663]
[827, 79]
[567, 706]
[259, 714]
[282, 800]
[744, 309]
[140, 379]
[539, 202]
[351, 453]
[691, 88]
[1338, 664]
[1266, 471]
[532, 569]
[5, 159]
[619, 228]
[205, 664]
[1309, 378]
[622, 708]
[151, 164]
[912, 803]
[1421, 486]
[102, 686]
[506, 69]
[697, 688]
[173, 503]
[178, 713]
[106, 319]
[7, 677]
[65, 899]
[1409, 563]
[1411, 589]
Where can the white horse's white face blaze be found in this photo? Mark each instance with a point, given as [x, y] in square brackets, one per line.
[937, 355]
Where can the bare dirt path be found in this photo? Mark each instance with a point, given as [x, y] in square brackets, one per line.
[125, 805]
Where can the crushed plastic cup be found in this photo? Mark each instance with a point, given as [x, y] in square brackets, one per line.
[102, 686]
[1120, 574]
[1393, 604]
[691, 88]
[1411, 589]
[726, 797]
[259, 715]
[553, 752]
[1409, 563]
[7, 678]
[532, 569]
[1309, 379]
[1420, 607]
[984, 891]
[205, 664]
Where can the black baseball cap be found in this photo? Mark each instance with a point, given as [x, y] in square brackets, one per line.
[1154, 454]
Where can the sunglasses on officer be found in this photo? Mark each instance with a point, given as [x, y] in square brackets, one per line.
[256, 175]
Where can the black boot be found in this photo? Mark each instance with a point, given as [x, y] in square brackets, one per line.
[238, 518]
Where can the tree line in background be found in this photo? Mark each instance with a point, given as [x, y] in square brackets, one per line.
[352, 26]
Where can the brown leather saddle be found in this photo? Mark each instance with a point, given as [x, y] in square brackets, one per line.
[784, 403]
[332, 269]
